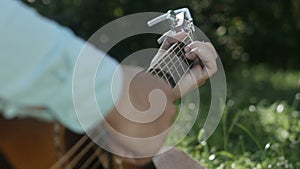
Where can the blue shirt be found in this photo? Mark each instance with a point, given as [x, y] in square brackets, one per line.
[37, 59]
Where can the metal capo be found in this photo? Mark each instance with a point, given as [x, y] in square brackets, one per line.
[179, 20]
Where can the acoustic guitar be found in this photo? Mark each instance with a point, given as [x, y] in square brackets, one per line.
[33, 144]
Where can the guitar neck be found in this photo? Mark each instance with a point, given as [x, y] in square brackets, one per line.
[173, 64]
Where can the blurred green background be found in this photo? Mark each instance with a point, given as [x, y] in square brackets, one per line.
[258, 43]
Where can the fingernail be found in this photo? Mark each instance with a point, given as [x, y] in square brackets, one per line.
[186, 49]
[187, 54]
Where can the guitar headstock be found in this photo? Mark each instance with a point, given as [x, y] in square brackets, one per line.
[179, 20]
[173, 64]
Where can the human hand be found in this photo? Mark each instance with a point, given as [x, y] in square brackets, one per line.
[199, 73]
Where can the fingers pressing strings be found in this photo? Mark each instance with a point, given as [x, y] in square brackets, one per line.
[170, 40]
[166, 55]
[177, 50]
[206, 54]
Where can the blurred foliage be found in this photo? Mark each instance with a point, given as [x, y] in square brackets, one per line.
[244, 32]
[260, 127]
[258, 42]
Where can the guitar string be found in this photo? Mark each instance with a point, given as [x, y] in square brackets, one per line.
[75, 148]
[90, 160]
[169, 72]
[104, 134]
[169, 53]
[164, 57]
[167, 64]
[159, 67]
[80, 155]
[174, 64]
[86, 148]
[62, 161]
[70, 153]
[181, 62]
[188, 36]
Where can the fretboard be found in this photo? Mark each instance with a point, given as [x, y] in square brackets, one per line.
[173, 64]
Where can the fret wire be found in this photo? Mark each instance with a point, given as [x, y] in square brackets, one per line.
[162, 60]
[174, 67]
[185, 57]
[180, 61]
[161, 70]
[172, 53]
[167, 66]
[168, 54]
[171, 72]
[169, 79]
[188, 39]
[165, 72]
[165, 76]
[183, 54]
[159, 62]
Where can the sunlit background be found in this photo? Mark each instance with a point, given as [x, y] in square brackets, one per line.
[258, 43]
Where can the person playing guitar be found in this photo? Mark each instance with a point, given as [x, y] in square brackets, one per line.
[41, 83]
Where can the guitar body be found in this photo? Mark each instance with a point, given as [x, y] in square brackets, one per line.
[27, 143]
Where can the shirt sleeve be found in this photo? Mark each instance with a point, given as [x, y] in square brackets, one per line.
[37, 60]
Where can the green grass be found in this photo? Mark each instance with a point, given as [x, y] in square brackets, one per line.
[260, 127]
